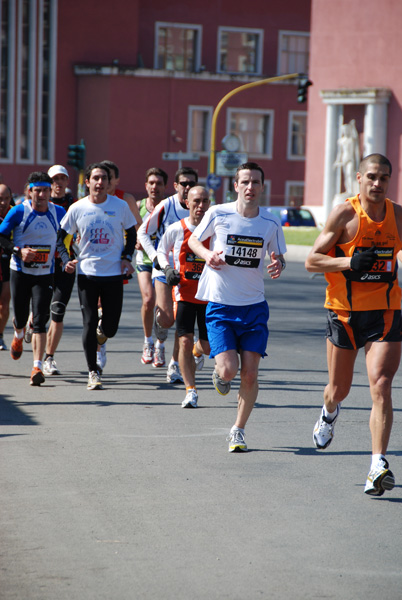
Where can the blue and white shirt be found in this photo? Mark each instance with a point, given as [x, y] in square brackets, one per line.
[33, 229]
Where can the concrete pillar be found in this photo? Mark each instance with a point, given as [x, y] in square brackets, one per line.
[334, 111]
[375, 129]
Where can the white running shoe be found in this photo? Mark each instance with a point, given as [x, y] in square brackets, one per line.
[148, 350]
[221, 386]
[173, 374]
[3, 345]
[199, 362]
[101, 357]
[159, 358]
[29, 329]
[191, 399]
[50, 366]
[324, 430]
[160, 332]
[94, 381]
[236, 441]
[379, 479]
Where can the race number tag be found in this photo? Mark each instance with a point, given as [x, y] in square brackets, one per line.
[41, 257]
[244, 251]
[381, 271]
[193, 266]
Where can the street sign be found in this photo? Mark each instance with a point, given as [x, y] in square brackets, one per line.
[214, 182]
[227, 162]
[180, 156]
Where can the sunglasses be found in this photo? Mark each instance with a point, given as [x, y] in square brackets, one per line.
[189, 184]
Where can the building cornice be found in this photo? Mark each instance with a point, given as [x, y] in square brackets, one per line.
[131, 71]
[356, 96]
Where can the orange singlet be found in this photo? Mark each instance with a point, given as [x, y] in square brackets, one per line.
[377, 289]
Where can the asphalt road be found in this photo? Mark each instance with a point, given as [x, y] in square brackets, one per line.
[121, 494]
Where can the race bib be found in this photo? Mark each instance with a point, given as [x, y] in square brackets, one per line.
[193, 266]
[41, 257]
[380, 271]
[244, 251]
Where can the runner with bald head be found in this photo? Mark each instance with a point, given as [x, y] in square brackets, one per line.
[357, 250]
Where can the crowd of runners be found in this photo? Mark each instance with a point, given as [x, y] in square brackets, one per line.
[201, 267]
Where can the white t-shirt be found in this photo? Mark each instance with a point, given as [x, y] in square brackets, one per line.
[101, 230]
[165, 213]
[243, 242]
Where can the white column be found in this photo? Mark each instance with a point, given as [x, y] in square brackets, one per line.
[331, 136]
[375, 129]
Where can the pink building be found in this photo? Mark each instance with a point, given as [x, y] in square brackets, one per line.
[355, 65]
[138, 78]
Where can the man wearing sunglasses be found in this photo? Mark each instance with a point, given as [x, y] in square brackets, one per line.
[168, 211]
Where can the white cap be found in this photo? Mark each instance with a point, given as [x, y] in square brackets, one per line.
[57, 170]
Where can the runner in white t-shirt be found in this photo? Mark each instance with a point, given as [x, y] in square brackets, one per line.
[168, 211]
[106, 229]
[240, 233]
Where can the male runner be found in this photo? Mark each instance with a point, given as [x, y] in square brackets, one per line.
[184, 275]
[63, 282]
[241, 233]
[168, 211]
[34, 225]
[155, 185]
[113, 190]
[106, 230]
[357, 250]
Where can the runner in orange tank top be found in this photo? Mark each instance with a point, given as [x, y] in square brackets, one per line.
[357, 250]
[184, 276]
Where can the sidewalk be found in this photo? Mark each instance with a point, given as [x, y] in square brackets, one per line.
[297, 253]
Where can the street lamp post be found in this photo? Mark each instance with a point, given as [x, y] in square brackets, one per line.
[212, 152]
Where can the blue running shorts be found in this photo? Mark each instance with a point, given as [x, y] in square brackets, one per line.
[237, 327]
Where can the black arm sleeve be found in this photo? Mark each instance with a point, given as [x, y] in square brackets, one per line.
[61, 248]
[6, 243]
[131, 239]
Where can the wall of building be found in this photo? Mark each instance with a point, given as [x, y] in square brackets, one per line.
[353, 45]
[129, 115]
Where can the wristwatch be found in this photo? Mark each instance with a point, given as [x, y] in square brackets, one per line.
[127, 257]
[283, 263]
[17, 250]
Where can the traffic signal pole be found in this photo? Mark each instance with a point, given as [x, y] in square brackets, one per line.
[247, 86]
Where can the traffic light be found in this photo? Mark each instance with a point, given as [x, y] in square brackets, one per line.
[304, 83]
[76, 156]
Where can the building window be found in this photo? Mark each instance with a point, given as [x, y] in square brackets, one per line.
[6, 79]
[254, 128]
[293, 55]
[178, 47]
[199, 128]
[26, 79]
[240, 50]
[294, 193]
[297, 135]
[46, 80]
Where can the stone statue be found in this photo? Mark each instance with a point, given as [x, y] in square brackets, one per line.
[348, 156]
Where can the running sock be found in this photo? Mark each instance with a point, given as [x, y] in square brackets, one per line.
[328, 415]
[19, 335]
[191, 387]
[148, 340]
[38, 363]
[235, 428]
[48, 356]
[375, 459]
[159, 344]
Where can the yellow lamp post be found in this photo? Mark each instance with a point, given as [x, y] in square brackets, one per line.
[212, 152]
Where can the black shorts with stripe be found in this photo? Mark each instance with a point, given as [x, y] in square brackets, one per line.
[353, 330]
